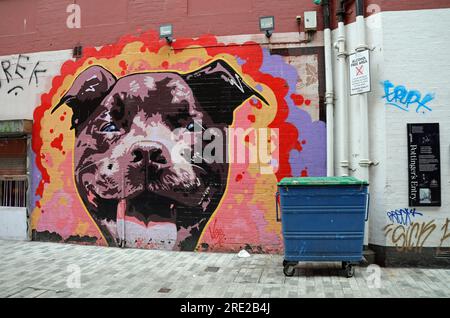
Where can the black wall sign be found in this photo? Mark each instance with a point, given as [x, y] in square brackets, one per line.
[424, 165]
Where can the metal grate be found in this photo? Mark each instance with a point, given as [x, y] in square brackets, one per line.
[13, 193]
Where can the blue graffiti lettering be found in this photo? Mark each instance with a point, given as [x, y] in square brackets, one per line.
[399, 96]
[403, 216]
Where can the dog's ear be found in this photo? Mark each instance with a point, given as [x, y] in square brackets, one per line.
[86, 93]
[220, 90]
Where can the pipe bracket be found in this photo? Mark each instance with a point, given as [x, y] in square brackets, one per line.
[365, 163]
[362, 47]
[329, 97]
[344, 163]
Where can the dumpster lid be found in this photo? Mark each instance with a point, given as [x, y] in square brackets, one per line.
[318, 181]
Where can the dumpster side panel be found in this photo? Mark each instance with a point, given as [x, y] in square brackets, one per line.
[323, 223]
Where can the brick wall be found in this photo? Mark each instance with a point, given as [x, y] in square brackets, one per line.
[40, 25]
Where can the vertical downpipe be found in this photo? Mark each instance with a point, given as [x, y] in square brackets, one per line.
[342, 101]
[329, 94]
[28, 194]
[364, 162]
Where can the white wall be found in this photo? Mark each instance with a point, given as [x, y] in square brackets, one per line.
[13, 223]
[21, 102]
[409, 48]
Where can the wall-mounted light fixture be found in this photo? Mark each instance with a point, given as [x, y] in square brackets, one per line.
[166, 31]
[267, 25]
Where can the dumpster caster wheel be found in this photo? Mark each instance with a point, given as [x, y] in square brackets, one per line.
[289, 270]
[285, 262]
[349, 270]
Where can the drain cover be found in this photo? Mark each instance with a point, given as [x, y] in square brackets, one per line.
[164, 290]
[211, 269]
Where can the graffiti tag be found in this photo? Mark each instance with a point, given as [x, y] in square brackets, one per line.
[18, 71]
[403, 216]
[399, 96]
[409, 238]
[413, 237]
[217, 235]
[445, 234]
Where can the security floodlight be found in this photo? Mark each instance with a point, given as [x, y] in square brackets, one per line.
[267, 24]
[165, 31]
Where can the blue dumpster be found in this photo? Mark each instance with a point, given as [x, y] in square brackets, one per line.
[322, 220]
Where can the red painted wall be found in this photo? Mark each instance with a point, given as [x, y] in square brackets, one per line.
[40, 25]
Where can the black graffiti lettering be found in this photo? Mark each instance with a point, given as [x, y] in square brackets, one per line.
[21, 70]
[19, 66]
[34, 73]
[5, 66]
[15, 89]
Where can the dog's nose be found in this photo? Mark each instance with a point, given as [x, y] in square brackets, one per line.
[138, 155]
[156, 155]
[150, 155]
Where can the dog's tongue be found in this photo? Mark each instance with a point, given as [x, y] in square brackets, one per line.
[155, 235]
[121, 210]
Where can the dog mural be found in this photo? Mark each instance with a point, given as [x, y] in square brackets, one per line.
[127, 148]
[137, 166]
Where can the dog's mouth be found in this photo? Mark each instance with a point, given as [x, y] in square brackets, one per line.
[148, 207]
[157, 211]
[148, 220]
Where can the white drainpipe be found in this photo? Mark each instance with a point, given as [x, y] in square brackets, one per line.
[329, 94]
[364, 162]
[342, 101]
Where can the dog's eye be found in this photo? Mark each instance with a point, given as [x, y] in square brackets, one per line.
[109, 127]
[194, 126]
[190, 126]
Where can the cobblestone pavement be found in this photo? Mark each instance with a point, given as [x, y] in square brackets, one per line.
[35, 269]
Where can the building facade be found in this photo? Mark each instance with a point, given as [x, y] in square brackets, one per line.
[112, 135]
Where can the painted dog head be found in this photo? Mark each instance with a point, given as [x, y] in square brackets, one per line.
[139, 163]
